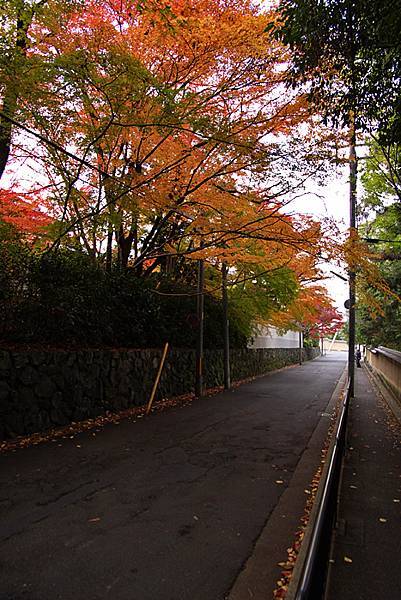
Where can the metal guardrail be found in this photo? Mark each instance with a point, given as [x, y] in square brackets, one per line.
[313, 575]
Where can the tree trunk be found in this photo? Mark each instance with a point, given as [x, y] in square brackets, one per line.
[109, 249]
[11, 93]
[9, 108]
[199, 343]
[226, 330]
[125, 245]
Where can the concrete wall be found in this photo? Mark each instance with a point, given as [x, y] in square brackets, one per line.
[387, 364]
[338, 345]
[40, 390]
[269, 337]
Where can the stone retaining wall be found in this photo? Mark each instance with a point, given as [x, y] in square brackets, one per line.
[40, 390]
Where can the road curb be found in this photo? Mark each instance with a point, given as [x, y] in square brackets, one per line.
[300, 561]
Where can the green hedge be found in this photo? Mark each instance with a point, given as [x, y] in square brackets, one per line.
[65, 299]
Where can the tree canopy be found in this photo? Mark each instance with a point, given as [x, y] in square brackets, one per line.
[157, 134]
[349, 54]
[379, 313]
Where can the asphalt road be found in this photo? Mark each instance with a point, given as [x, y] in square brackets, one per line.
[167, 508]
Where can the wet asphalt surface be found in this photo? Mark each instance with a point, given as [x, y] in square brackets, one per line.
[167, 508]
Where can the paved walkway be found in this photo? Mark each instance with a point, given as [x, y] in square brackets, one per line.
[367, 545]
[170, 507]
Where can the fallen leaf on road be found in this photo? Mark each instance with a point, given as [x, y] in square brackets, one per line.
[292, 552]
[286, 565]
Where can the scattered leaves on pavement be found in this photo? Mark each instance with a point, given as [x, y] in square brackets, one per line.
[134, 413]
[292, 552]
[96, 423]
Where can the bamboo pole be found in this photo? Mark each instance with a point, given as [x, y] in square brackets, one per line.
[156, 383]
[332, 341]
[300, 345]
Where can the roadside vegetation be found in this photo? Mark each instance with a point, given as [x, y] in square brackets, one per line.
[140, 141]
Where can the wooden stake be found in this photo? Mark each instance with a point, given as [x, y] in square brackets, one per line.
[156, 383]
[300, 346]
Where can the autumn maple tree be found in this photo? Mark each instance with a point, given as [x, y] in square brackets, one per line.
[162, 132]
[24, 213]
[180, 108]
[327, 322]
[312, 310]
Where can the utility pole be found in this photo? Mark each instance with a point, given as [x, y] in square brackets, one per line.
[352, 275]
[200, 321]
[226, 336]
[300, 344]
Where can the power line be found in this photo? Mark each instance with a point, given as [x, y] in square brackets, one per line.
[338, 275]
[55, 145]
[379, 241]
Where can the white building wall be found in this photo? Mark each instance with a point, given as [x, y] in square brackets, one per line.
[268, 337]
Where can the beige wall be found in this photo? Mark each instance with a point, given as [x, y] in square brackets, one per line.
[338, 345]
[387, 363]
